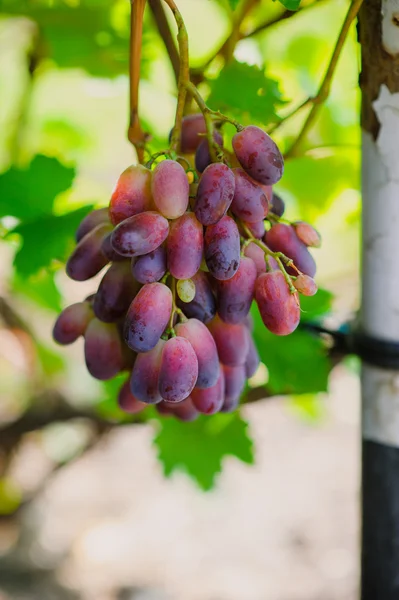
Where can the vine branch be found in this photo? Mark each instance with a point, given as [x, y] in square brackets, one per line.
[166, 35]
[136, 135]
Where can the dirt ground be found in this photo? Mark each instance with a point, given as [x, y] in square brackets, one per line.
[112, 527]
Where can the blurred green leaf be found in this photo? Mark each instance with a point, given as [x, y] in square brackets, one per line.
[45, 239]
[256, 100]
[10, 497]
[233, 3]
[198, 448]
[41, 288]
[309, 407]
[29, 193]
[51, 362]
[297, 363]
[290, 4]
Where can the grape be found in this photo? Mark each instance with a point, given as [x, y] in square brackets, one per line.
[115, 292]
[94, 218]
[257, 229]
[150, 267]
[210, 400]
[278, 307]
[205, 349]
[203, 155]
[103, 350]
[127, 402]
[249, 202]
[222, 248]
[184, 411]
[132, 194]
[268, 191]
[192, 126]
[235, 295]
[277, 205]
[140, 234]
[145, 375]
[184, 246]
[87, 259]
[234, 381]
[307, 234]
[305, 285]
[148, 316]
[258, 155]
[282, 238]
[72, 323]
[186, 290]
[252, 360]
[170, 189]
[203, 306]
[179, 370]
[215, 193]
[257, 255]
[231, 341]
[109, 252]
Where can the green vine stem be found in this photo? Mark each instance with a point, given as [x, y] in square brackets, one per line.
[136, 135]
[184, 74]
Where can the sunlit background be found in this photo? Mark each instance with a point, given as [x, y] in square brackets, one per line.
[86, 511]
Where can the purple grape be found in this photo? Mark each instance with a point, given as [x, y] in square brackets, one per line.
[282, 238]
[115, 292]
[234, 378]
[210, 400]
[249, 203]
[94, 218]
[222, 248]
[258, 155]
[236, 294]
[185, 246]
[170, 189]
[252, 360]
[278, 307]
[214, 194]
[140, 234]
[192, 128]
[277, 205]
[127, 402]
[145, 375]
[87, 259]
[179, 370]
[205, 349]
[148, 316]
[231, 341]
[72, 323]
[103, 350]
[150, 267]
[203, 306]
[203, 156]
[132, 194]
[258, 256]
[109, 252]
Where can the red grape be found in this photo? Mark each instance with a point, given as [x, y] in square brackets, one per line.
[203, 306]
[257, 229]
[132, 194]
[258, 256]
[108, 251]
[214, 194]
[127, 402]
[170, 189]
[94, 218]
[258, 155]
[222, 248]
[192, 126]
[185, 246]
[104, 352]
[150, 267]
[204, 347]
[252, 360]
[115, 292]
[236, 294]
[87, 259]
[278, 307]
[231, 341]
[210, 400]
[72, 323]
[234, 380]
[203, 155]
[145, 375]
[282, 238]
[179, 370]
[148, 316]
[307, 234]
[305, 285]
[249, 202]
[140, 234]
[184, 411]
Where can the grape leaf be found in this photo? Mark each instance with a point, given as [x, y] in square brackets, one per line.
[41, 288]
[29, 193]
[244, 92]
[233, 4]
[290, 4]
[198, 448]
[46, 238]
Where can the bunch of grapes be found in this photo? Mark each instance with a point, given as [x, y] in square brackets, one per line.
[189, 250]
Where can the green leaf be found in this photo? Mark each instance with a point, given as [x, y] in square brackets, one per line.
[51, 362]
[309, 407]
[297, 363]
[290, 4]
[198, 448]
[244, 92]
[29, 193]
[45, 239]
[233, 4]
[315, 306]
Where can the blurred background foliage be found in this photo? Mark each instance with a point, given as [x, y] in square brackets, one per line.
[63, 117]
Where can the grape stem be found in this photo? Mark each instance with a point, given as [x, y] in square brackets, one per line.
[136, 135]
[184, 74]
[324, 90]
[279, 257]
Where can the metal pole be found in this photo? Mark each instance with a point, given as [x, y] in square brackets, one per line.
[379, 38]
